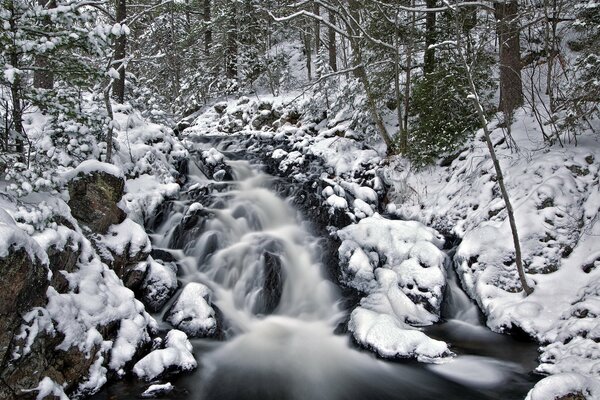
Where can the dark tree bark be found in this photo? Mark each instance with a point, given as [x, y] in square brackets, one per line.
[231, 64]
[511, 86]
[317, 11]
[15, 87]
[43, 76]
[208, 31]
[430, 38]
[120, 52]
[332, 48]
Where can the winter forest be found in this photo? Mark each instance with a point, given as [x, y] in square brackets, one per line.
[309, 199]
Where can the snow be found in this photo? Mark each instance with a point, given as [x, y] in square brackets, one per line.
[342, 155]
[555, 194]
[144, 194]
[90, 166]
[129, 236]
[176, 354]
[560, 385]
[391, 338]
[47, 387]
[192, 312]
[13, 238]
[158, 390]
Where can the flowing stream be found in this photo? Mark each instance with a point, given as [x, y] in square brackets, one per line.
[281, 314]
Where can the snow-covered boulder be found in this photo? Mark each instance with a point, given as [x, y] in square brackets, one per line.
[159, 285]
[176, 356]
[566, 386]
[399, 267]
[192, 312]
[390, 338]
[95, 190]
[125, 249]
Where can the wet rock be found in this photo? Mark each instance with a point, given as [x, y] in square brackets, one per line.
[270, 296]
[192, 312]
[93, 200]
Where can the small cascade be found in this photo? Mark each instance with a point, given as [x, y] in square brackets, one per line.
[458, 306]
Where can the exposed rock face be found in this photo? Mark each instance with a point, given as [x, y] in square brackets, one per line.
[94, 198]
[62, 260]
[23, 284]
[44, 360]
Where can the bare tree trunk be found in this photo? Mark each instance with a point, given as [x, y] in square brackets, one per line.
[430, 38]
[332, 44]
[208, 29]
[109, 133]
[308, 52]
[409, 53]
[499, 175]
[15, 87]
[317, 11]
[511, 86]
[232, 45]
[361, 74]
[120, 52]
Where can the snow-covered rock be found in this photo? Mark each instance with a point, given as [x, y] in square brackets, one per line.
[159, 285]
[399, 267]
[562, 385]
[158, 390]
[175, 356]
[192, 312]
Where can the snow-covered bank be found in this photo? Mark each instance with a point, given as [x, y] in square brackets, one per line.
[81, 223]
[556, 195]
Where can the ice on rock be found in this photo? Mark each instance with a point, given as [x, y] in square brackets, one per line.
[192, 312]
[176, 356]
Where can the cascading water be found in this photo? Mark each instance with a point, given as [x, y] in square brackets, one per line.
[279, 313]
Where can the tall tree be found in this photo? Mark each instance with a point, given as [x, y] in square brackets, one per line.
[208, 28]
[120, 52]
[430, 38]
[43, 75]
[508, 27]
[331, 42]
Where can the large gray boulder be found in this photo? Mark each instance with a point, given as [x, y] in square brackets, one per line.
[95, 192]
